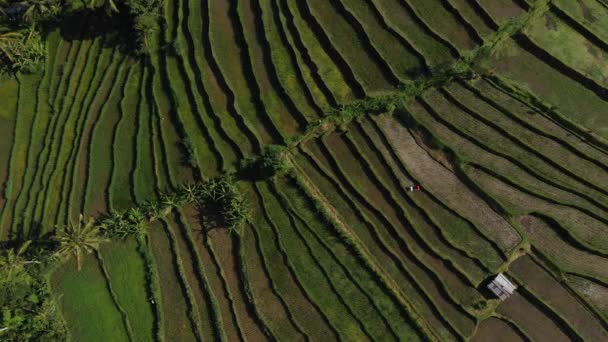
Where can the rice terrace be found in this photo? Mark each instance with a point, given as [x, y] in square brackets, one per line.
[290, 170]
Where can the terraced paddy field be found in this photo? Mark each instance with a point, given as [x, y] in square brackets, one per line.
[497, 109]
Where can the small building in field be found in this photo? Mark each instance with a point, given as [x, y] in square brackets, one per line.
[502, 287]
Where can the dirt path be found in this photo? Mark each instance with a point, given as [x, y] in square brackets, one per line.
[444, 184]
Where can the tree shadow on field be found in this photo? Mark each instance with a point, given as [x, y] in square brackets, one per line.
[90, 23]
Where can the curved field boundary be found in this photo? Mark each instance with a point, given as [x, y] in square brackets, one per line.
[402, 213]
[185, 117]
[586, 231]
[143, 174]
[474, 33]
[548, 290]
[261, 289]
[198, 68]
[400, 262]
[176, 304]
[71, 51]
[280, 105]
[585, 12]
[569, 167]
[233, 59]
[98, 172]
[108, 283]
[122, 146]
[426, 229]
[527, 98]
[428, 28]
[447, 23]
[202, 296]
[55, 47]
[550, 243]
[286, 63]
[491, 137]
[212, 303]
[581, 28]
[357, 299]
[338, 314]
[303, 326]
[17, 161]
[420, 315]
[456, 229]
[310, 70]
[75, 193]
[152, 286]
[324, 39]
[298, 326]
[317, 95]
[414, 248]
[327, 66]
[526, 116]
[68, 168]
[404, 62]
[419, 163]
[389, 150]
[63, 134]
[472, 128]
[348, 39]
[546, 32]
[495, 326]
[348, 260]
[246, 288]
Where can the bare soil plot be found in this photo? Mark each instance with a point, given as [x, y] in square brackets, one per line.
[446, 185]
[534, 322]
[553, 245]
[499, 330]
[529, 273]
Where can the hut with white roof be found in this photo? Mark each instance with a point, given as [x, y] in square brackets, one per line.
[502, 287]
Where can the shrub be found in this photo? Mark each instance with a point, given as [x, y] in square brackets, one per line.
[271, 161]
[21, 52]
[221, 204]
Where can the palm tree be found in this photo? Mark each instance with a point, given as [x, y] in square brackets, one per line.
[79, 239]
[190, 192]
[12, 259]
[37, 10]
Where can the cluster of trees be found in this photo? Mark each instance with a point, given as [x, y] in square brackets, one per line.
[218, 200]
[22, 23]
[272, 160]
[142, 19]
[28, 312]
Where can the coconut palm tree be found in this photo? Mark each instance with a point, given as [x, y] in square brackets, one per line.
[77, 240]
[13, 259]
[190, 193]
[37, 10]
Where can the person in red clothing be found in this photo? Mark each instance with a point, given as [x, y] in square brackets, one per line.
[417, 188]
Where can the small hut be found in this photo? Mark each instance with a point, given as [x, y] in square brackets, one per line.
[502, 287]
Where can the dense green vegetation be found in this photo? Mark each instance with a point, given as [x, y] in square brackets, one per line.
[247, 170]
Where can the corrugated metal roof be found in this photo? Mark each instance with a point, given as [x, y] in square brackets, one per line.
[502, 287]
